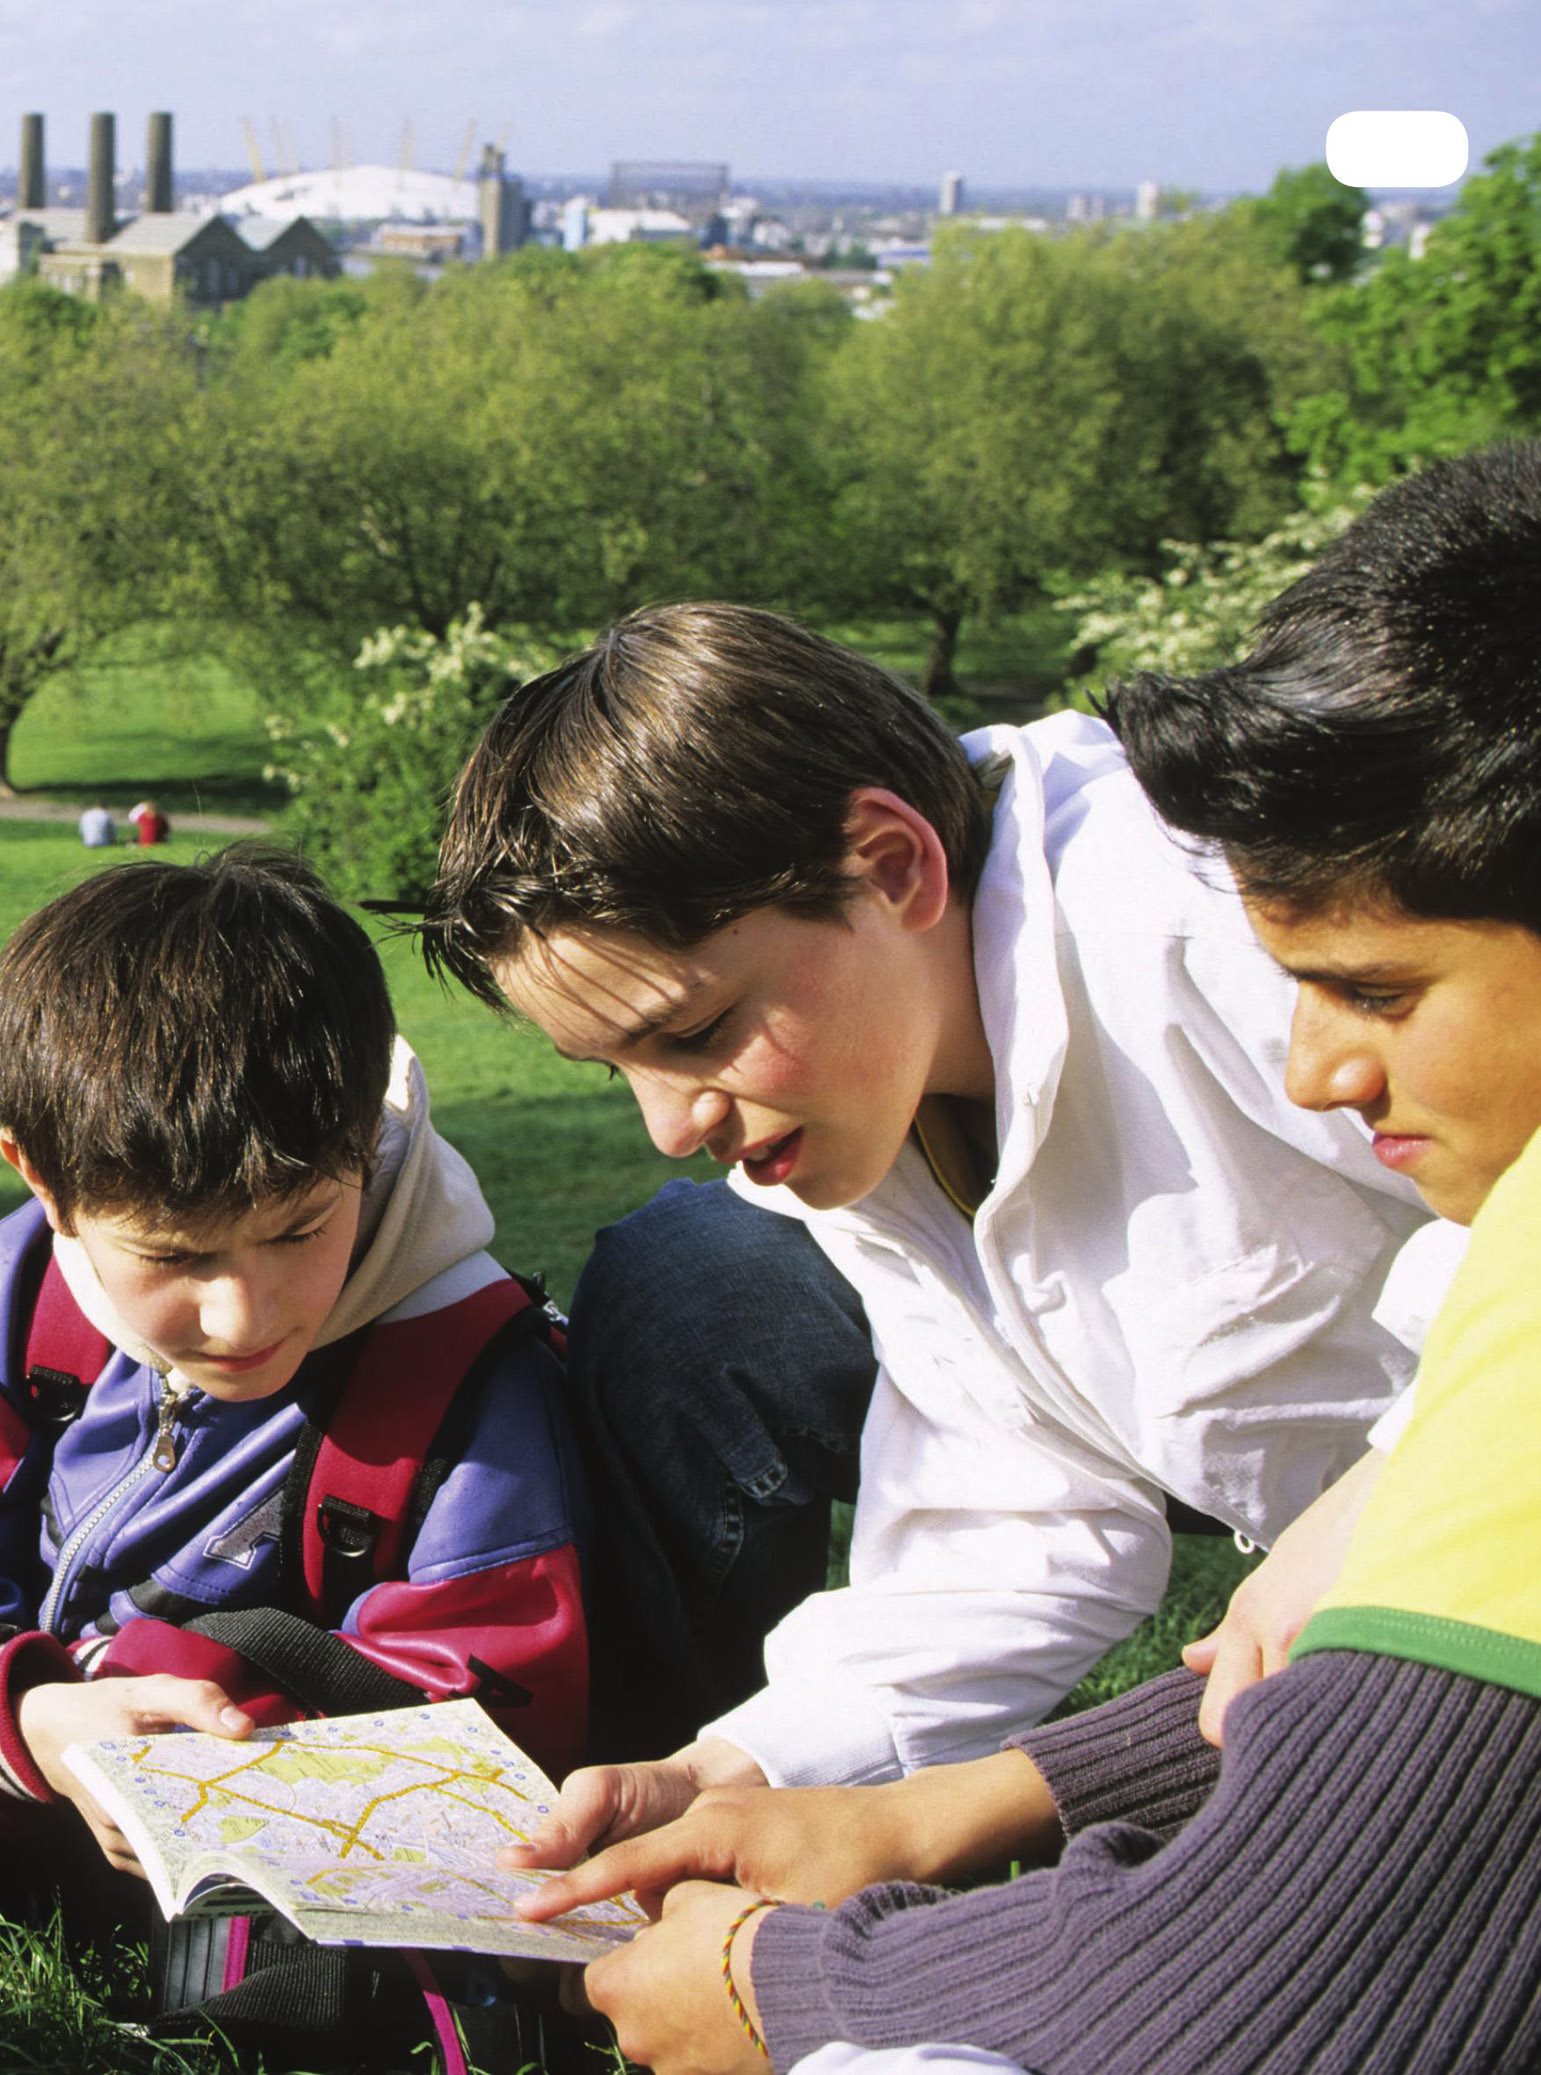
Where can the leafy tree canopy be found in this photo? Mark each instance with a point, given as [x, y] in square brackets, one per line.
[1443, 352]
[1313, 223]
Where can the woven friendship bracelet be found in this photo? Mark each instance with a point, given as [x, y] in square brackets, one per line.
[737, 2001]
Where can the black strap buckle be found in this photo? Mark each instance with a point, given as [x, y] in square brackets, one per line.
[348, 1531]
[56, 1397]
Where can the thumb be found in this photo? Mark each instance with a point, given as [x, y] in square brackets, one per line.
[584, 1810]
[1238, 1665]
[192, 1704]
[1199, 1655]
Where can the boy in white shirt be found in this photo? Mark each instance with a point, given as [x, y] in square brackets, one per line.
[973, 1017]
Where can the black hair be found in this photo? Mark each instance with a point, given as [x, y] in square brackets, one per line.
[1383, 738]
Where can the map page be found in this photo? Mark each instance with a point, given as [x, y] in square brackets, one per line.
[376, 1829]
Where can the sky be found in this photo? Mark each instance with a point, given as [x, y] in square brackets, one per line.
[1207, 94]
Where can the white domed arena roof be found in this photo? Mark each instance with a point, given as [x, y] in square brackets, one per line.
[358, 194]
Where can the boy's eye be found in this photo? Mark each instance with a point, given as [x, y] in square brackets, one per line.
[1372, 1001]
[700, 1040]
[301, 1238]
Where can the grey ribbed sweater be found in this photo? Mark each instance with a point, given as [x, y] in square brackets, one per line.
[1360, 1894]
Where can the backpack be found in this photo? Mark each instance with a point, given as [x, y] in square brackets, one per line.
[377, 1444]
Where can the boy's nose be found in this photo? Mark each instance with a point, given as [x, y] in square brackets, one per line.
[237, 1314]
[679, 1120]
[1334, 1062]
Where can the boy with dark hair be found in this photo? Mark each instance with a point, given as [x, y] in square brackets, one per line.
[967, 1014]
[1361, 1887]
[243, 1215]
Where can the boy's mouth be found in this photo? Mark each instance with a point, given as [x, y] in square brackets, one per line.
[770, 1164]
[242, 1365]
[1397, 1149]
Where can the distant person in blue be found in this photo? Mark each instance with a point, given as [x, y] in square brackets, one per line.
[98, 830]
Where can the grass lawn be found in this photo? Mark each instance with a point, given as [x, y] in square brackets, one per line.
[558, 1149]
[147, 714]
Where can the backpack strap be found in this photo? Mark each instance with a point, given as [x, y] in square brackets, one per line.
[64, 1353]
[365, 1469]
[314, 1666]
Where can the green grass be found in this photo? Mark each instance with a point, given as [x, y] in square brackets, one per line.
[147, 713]
[57, 2012]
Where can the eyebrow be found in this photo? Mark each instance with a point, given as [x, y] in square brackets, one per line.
[1374, 972]
[175, 1241]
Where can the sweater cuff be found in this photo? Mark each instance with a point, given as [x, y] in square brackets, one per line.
[1137, 1759]
[29, 1659]
[789, 1967]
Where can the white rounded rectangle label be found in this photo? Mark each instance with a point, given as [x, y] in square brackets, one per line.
[1397, 147]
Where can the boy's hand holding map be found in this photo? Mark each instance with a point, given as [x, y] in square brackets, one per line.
[375, 1829]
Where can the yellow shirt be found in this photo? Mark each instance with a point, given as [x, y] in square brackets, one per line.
[1445, 1566]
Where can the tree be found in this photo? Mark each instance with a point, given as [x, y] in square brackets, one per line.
[370, 763]
[1314, 223]
[92, 409]
[1032, 407]
[554, 438]
[1440, 353]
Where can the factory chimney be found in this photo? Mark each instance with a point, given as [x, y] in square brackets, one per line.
[101, 217]
[32, 181]
[158, 199]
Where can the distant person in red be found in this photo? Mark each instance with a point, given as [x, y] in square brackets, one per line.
[148, 819]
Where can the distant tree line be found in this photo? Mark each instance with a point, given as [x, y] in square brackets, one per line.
[519, 451]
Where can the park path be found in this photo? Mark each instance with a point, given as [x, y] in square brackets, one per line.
[25, 807]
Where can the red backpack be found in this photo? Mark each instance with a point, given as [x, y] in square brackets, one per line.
[376, 1446]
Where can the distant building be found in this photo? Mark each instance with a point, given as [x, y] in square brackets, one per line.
[21, 243]
[1147, 201]
[154, 256]
[949, 201]
[288, 245]
[502, 209]
[159, 254]
[901, 252]
[431, 242]
[639, 227]
[696, 190]
[359, 194]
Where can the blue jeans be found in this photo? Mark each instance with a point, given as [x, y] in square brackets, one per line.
[719, 1373]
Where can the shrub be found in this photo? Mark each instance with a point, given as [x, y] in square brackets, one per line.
[1202, 609]
[370, 756]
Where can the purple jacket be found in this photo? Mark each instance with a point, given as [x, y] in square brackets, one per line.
[104, 1558]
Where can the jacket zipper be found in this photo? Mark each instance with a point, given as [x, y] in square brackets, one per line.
[161, 1455]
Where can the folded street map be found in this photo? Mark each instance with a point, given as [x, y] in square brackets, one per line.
[375, 1829]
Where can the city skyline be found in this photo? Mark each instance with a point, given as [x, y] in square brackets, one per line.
[1012, 93]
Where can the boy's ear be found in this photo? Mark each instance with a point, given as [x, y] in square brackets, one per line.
[13, 1156]
[898, 852]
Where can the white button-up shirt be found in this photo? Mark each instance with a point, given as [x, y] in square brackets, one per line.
[1169, 1288]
